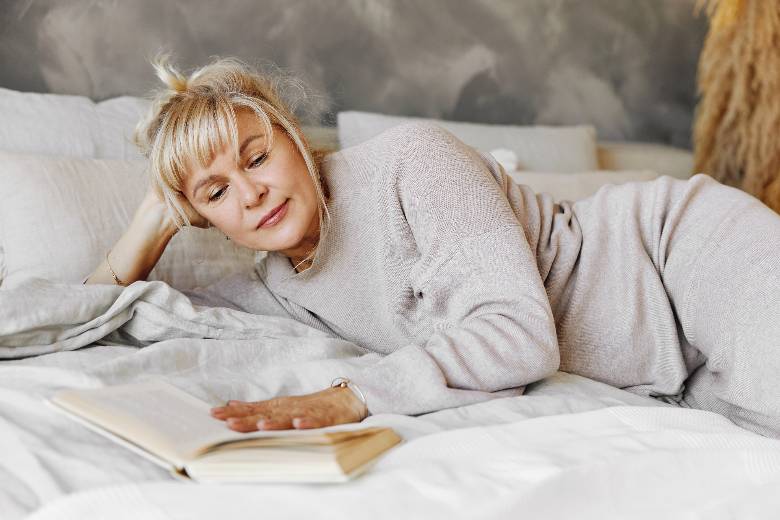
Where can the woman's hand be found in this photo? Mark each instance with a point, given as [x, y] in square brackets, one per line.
[324, 408]
[152, 203]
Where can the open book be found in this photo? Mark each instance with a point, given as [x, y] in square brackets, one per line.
[174, 429]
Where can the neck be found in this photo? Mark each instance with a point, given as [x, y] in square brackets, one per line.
[306, 247]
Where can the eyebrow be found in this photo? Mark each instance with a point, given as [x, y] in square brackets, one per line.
[213, 176]
[247, 141]
[203, 182]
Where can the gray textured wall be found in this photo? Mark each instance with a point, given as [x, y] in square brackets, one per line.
[627, 66]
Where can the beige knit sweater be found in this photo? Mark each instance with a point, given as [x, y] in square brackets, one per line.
[460, 282]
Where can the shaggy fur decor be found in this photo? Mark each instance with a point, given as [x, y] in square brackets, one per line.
[737, 128]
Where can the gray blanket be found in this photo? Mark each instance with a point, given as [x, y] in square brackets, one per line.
[42, 317]
[276, 355]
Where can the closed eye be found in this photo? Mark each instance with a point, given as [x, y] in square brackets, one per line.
[217, 194]
[257, 161]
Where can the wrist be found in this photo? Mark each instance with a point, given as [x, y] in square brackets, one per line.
[357, 406]
[352, 395]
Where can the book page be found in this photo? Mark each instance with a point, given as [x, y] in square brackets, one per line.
[174, 426]
[155, 416]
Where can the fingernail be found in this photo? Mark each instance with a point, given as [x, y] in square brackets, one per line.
[261, 424]
[297, 422]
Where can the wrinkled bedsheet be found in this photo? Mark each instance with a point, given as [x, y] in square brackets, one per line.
[570, 447]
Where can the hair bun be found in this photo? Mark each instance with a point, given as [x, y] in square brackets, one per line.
[168, 74]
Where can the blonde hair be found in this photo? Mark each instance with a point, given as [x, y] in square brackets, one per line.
[194, 117]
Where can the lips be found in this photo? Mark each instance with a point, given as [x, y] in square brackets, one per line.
[271, 214]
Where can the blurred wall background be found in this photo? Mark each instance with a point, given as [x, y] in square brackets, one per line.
[626, 66]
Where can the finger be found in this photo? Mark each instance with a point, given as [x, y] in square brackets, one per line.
[244, 424]
[216, 410]
[274, 424]
[230, 403]
[221, 412]
[303, 423]
[252, 404]
[222, 408]
[235, 410]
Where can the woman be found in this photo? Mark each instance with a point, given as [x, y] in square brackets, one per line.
[415, 246]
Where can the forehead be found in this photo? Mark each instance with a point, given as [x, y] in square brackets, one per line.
[247, 120]
[250, 133]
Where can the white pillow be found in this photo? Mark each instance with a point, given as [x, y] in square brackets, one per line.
[538, 148]
[575, 186]
[117, 118]
[47, 123]
[57, 124]
[322, 137]
[60, 215]
[667, 160]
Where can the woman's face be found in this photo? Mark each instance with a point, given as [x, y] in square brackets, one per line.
[236, 197]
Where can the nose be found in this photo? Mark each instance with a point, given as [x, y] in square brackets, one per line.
[251, 193]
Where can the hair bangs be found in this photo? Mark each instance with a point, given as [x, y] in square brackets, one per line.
[248, 103]
[206, 127]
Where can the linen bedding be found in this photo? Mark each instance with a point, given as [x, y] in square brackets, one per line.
[570, 446]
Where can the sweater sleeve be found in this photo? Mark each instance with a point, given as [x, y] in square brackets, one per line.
[476, 275]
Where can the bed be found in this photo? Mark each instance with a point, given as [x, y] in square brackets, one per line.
[568, 447]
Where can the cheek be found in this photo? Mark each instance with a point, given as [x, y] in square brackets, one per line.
[224, 217]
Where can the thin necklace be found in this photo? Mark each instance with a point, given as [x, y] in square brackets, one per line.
[309, 260]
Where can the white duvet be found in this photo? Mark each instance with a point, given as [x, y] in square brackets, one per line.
[570, 448]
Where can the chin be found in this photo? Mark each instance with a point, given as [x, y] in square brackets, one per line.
[282, 239]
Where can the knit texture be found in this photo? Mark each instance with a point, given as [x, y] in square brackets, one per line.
[427, 264]
[467, 283]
